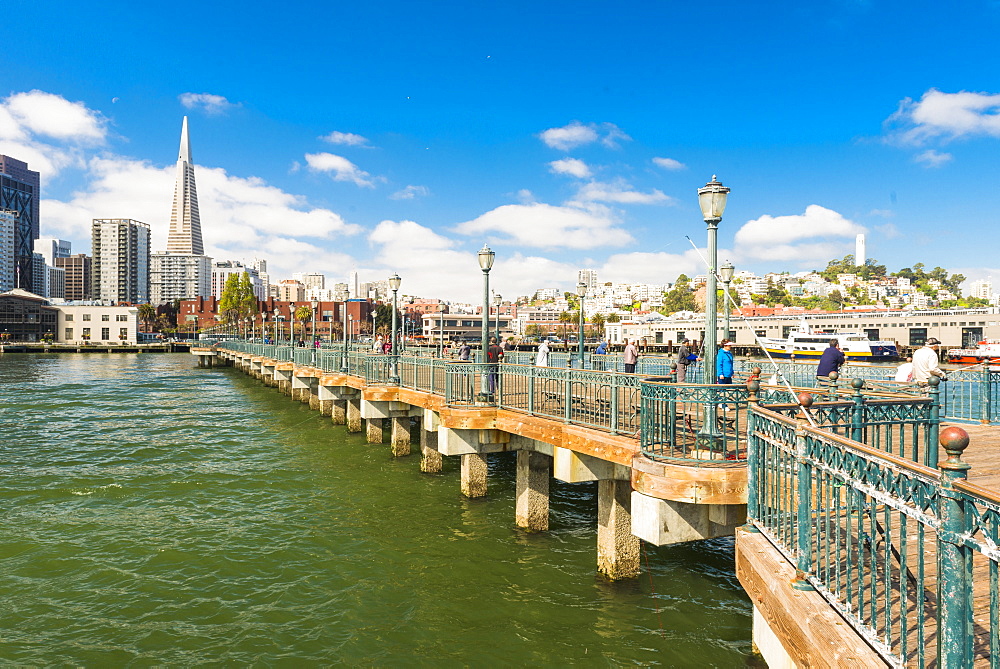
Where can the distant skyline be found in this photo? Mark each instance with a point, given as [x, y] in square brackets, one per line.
[392, 137]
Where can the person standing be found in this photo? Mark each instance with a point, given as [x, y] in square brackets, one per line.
[904, 373]
[464, 351]
[601, 350]
[684, 358]
[631, 356]
[724, 363]
[542, 357]
[494, 354]
[830, 361]
[377, 344]
[925, 362]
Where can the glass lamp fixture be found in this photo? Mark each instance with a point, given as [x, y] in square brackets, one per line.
[712, 199]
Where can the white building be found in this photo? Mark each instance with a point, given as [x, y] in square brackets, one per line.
[77, 324]
[121, 264]
[310, 279]
[179, 276]
[222, 270]
[859, 250]
[8, 259]
[983, 289]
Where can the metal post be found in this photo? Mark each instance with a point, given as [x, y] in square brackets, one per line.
[858, 414]
[343, 322]
[394, 370]
[579, 344]
[484, 382]
[315, 305]
[709, 435]
[985, 410]
[955, 632]
[753, 457]
[933, 430]
[803, 524]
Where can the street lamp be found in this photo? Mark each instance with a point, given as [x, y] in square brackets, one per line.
[581, 290]
[497, 300]
[726, 273]
[712, 199]
[486, 258]
[291, 318]
[314, 305]
[263, 326]
[342, 296]
[394, 282]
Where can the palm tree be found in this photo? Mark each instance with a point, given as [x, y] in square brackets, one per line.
[147, 314]
[565, 318]
[303, 313]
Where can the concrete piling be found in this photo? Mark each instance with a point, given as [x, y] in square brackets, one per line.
[532, 506]
[474, 468]
[617, 547]
[399, 439]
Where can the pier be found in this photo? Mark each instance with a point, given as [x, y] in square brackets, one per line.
[859, 542]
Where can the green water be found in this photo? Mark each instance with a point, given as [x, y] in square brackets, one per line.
[156, 513]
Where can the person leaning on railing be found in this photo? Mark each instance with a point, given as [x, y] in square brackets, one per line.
[925, 362]
[830, 361]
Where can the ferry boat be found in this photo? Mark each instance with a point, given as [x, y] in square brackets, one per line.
[808, 344]
[988, 351]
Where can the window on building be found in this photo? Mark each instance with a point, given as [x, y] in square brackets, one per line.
[123, 333]
[122, 318]
[105, 334]
[86, 333]
[86, 317]
[105, 317]
[69, 318]
[760, 333]
[69, 334]
[918, 336]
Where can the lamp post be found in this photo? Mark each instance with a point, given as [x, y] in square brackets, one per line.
[726, 273]
[497, 300]
[486, 258]
[342, 296]
[581, 290]
[314, 306]
[291, 319]
[712, 199]
[263, 326]
[440, 330]
[394, 282]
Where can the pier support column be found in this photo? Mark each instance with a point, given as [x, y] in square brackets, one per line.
[532, 507]
[314, 398]
[399, 439]
[374, 430]
[430, 460]
[617, 547]
[354, 415]
[338, 412]
[474, 468]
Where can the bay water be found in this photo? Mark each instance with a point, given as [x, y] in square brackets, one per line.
[154, 513]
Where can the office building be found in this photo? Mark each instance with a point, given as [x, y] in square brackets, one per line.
[222, 270]
[76, 276]
[178, 276]
[8, 260]
[310, 279]
[185, 222]
[20, 197]
[120, 270]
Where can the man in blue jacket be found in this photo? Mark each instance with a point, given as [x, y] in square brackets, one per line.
[724, 363]
[830, 361]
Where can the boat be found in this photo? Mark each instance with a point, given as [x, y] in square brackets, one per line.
[988, 351]
[807, 344]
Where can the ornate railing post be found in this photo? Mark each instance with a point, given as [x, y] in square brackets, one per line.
[531, 391]
[955, 633]
[858, 414]
[753, 454]
[934, 421]
[615, 392]
[672, 374]
[833, 376]
[568, 394]
[803, 524]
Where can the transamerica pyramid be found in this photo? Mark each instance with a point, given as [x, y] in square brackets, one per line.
[185, 224]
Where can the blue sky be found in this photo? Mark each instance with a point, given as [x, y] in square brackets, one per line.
[400, 136]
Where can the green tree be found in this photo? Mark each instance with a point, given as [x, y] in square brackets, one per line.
[302, 314]
[614, 318]
[680, 298]
[147, 314]
[238, 300]
[565, 318]
[597, 323]
[533, 330]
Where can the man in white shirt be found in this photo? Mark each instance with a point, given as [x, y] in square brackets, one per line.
[925, 362]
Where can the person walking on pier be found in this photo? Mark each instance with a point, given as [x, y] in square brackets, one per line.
[830, 361]
[684, 358]
[630, 356]
[925, 362]
[494, 354]
[377, 344]
[542, 358]
[724, 363]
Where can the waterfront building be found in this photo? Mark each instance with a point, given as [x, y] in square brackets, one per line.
[463, 327]
[8, 258]
[121, 260]
[20, 197]
[98, 324]
[183, 271]
[77, 276]
[26, 317]
[203, 313]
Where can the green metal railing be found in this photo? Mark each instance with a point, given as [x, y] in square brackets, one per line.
[894, 546]
[471, 384]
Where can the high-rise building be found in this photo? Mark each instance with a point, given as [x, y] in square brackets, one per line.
[222, 270]
[352, 286]
[20, 197]
[52, 248]
[178, 276]
[588, 277]
[184, 271]
[121, 260]
[9, 221]
[310, 279]
[19, 170]
[859, 250]
[77, 276]
[49, 280]
[185, 222]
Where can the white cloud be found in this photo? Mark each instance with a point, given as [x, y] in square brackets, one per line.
[345, 138]
[548, 226]
[889, 230]
[577, 134]
[571, 166]
[655, 267]
[932, 158]
[410, 192]
[340, 168]
[26, 119]
[209, 103]
[806, 239]
[669, 164]
[618, 191]
[946, 116]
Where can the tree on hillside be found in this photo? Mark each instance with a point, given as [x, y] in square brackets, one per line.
[614, 318]
[680, 298]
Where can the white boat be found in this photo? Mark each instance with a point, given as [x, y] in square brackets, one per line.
[807, 344]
